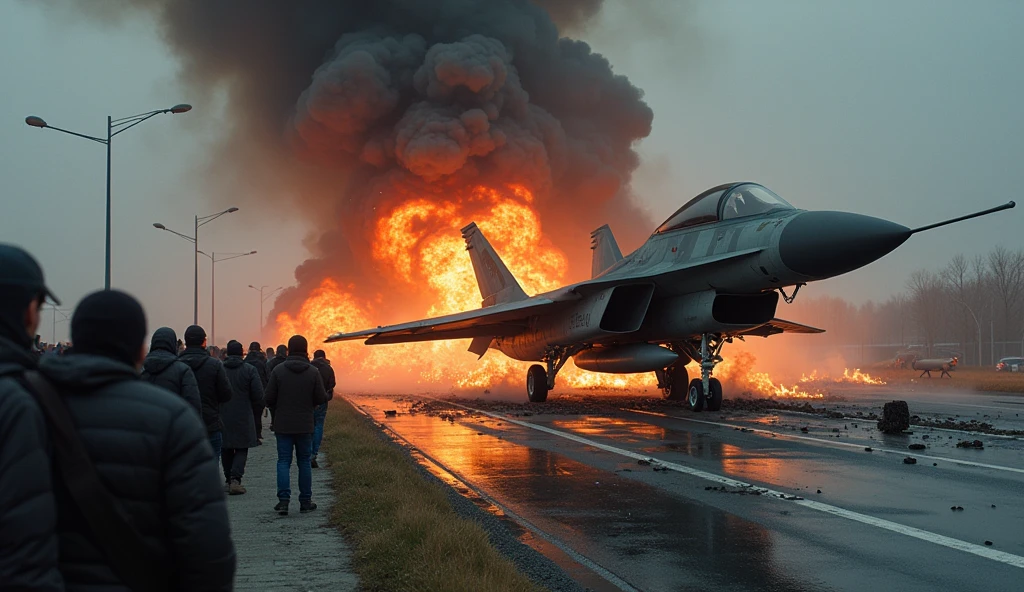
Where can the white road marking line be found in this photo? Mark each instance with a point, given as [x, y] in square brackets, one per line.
[917, 533]
[832, 442]
[551, 539]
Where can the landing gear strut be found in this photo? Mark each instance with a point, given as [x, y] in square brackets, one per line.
[539, 381]
[704, 391]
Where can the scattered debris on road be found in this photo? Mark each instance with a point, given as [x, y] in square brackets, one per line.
[895, 417]
[390, 412]
[910, 461]
[957, 508]
[976, 444]
[916, 447]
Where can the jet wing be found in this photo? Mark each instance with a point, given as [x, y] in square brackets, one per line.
[776, 326]
[666, 271]
[500, 320]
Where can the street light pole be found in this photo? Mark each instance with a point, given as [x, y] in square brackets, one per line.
[262, 300]
[194, 239]
[213, 294]
[114, 127]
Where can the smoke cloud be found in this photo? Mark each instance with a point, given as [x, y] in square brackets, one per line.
[343, 109]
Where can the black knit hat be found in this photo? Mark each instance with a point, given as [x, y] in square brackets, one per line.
[110, 324]
[297, 345]
[194, 335]
[234, 348]
[255, 347]
[319, 354]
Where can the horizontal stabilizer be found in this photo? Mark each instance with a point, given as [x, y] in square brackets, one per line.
[606, 251]
[497, 285]
[777, 326]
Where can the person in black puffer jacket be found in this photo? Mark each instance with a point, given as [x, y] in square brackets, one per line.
[237, 415]
[320, 413]
[214, 388]
[295, 389]
[150, 450]
[279, 357]
[258, 360]
[28, 541]
[163, 368]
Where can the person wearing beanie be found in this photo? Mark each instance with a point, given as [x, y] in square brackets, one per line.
[28, 540]
[256, 359]
[294, 390]
[150, 450]
[214, 388]
[237, 415]
[163, 368]
[322, 364]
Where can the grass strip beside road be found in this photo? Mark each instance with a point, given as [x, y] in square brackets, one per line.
[403, 531]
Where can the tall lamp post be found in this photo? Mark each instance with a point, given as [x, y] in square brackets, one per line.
[262, 300]
[194, 239]
[53, 336]
[214, 260]
[114, 127]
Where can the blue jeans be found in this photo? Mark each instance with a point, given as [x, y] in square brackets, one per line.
[303, 444]
[217, 441]
[319, 414]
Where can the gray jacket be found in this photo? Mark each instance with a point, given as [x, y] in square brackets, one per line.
[163, 368]
[153, 453]
[246, 402]
[28, 545]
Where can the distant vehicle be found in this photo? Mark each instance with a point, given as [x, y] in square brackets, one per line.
[906, 359]
[712, 273]
[943, 365]
[1010, 365]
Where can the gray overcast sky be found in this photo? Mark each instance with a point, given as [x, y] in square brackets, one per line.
[906, 110]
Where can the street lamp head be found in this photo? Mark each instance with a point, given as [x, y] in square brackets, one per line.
[35, 121]
[253, 287]
[252, 252]
[181, 108]
[159, 225]
[232, 210]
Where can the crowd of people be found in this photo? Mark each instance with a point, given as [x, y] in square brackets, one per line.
[116, 459]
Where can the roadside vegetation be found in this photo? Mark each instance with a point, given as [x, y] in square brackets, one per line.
[405, 536]
[964, 378]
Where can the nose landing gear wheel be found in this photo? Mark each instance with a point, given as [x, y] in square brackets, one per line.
[695, 395]
[678, 382]
[537, 384]
[715, 396]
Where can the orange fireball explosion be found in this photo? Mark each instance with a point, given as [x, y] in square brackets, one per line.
[418, 245]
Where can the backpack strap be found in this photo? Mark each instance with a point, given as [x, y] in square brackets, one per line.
[129, 554]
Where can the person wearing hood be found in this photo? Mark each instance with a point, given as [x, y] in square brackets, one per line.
[237, 414]
[279, 357]
[149, 449]
[28, 540]
[163, 368]
[256, 359]
[294, 390]
[214, 388]
[320, 413]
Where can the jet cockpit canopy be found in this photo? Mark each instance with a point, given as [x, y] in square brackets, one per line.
[725, 202]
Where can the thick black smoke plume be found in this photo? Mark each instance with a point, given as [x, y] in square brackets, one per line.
[345, 106]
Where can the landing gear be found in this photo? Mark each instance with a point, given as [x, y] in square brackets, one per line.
[695, 395]
[678, 380]
[537, 384]
[539, 381]
[705, 391]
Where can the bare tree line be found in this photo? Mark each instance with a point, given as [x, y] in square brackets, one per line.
[973, 306]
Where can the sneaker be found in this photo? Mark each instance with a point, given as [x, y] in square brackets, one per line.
[313, 463]
[236, 488]
[306, 507]
[282, 507]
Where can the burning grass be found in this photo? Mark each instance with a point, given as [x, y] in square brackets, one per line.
[406, 535]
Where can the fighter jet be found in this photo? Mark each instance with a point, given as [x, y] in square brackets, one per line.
[712, 273]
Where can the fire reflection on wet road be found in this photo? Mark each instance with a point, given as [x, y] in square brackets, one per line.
[660, 530]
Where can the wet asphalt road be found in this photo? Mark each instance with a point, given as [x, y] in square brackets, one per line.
[877, 524]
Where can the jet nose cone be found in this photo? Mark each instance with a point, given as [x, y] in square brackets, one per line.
[826, 244]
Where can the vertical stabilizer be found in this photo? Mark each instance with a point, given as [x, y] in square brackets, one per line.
[606, 251]
[497, 286]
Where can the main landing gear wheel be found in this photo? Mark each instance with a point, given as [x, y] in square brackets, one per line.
[678, 381]
[695, 395]
[715, 396]
[537, 384]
